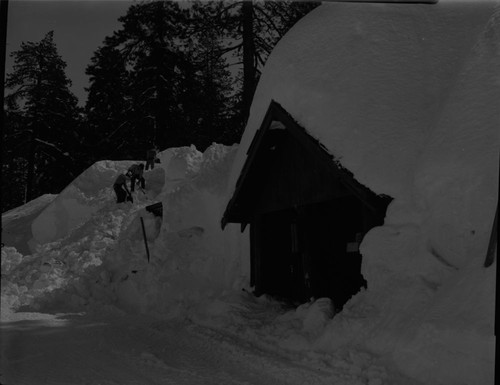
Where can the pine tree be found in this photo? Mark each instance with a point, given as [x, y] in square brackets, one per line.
[212, 91]
[164, 77]
[14, 164]
[152, 40]
[149, 52]
[253, 27]
[108, 109]
[42, 101]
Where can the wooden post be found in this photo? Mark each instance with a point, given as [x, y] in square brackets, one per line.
[145, 240]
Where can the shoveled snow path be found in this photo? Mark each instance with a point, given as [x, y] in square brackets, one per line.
[79, 349]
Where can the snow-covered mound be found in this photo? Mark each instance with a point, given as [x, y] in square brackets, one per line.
[405, 96]
[16, 231]
[192, 259]
[91, 251]
[89, 192]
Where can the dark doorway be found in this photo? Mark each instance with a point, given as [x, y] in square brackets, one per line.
[280, 265]
[333, 231]
[311, 251]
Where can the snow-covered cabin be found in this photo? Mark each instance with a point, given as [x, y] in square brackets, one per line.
[359, 105]
[295, 196]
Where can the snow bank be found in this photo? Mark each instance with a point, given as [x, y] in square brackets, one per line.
[93, 250]
[16, 229]
[192, 259]
[86, 195]
[406, 98]
[77, 202]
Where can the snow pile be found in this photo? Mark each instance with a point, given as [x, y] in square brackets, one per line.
[192, 259]
[405, 97]
[97, 253]
[62, 274]
[15, 233]
[31, 208]
[72, 234]
[10, 259]
[89, 192]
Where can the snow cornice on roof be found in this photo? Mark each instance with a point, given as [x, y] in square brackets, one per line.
[237, 210]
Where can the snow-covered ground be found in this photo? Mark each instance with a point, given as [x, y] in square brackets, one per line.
[121, 349]
[405, 97]
[87, 307]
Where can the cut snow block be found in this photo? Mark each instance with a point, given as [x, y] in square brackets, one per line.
[89, 192]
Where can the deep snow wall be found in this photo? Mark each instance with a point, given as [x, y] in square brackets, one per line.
[90, 191]
[91, 250]
[405, 96]
[15, 233]
[192, 260]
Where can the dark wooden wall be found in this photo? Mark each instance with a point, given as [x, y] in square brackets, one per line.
[305, 212]
[294, 190]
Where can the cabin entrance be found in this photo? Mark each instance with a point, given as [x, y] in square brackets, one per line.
[307, 215]
[281, 271]
[310, 251]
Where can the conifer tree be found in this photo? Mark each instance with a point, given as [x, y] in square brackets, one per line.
[108, 109]
[164, 76]
[251, 29]
[148, 49]
[266, 22]
[44, 118]
[212, 93]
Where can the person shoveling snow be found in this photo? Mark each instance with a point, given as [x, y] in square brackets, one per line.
[121, 190]
[136, 174]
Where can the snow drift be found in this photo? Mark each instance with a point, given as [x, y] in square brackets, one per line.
[192, 259]
[89, 250]
[405, 96]
[89, 192]
[15, 233]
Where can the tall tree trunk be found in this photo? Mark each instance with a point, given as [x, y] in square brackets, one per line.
[31, 169]
[157, 134]
[32, 145]
[161, 125]
[248, 58]
[162, 128]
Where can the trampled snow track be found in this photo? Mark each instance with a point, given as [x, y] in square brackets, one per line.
[77, 350]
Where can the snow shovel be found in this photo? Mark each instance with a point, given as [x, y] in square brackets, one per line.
[129, 197]
[145, 240]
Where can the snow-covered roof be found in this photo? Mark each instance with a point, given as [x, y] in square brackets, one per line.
[374, 83]
[405, 97]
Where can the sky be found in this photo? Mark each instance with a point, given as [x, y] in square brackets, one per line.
[79, 26]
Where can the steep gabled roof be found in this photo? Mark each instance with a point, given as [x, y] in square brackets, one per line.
[265, 138]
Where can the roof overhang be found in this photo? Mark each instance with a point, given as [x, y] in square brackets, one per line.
[263, 137]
